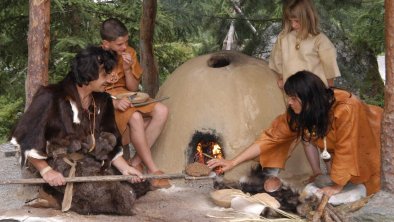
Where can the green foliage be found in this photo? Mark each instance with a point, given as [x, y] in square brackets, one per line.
[361, 20]
[8, 109]
[173, 55]
[369, 27]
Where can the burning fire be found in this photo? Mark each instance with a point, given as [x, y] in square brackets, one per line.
[207, 151]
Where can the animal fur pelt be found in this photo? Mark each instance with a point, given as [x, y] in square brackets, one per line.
[98, 197]
[55, 125]
[254, 183]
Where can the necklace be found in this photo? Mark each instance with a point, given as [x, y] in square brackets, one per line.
[310, 134]
[85, 102]
[325, 155]
[298, 42]
[92, 126]
[113, 77]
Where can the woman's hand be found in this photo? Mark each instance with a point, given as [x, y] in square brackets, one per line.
[54, 178]
[331, 190]
[132, 171]
[122, 104]
[225, 164]
[249, 153]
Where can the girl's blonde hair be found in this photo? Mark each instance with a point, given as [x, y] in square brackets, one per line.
[305, 12]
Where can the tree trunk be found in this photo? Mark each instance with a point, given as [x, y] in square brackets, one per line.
[150, 79]
[228, 43]
[388, 118]
[38, 47]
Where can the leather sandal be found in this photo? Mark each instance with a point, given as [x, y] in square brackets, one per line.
[139, 167]
[44, 200]
[160, 183]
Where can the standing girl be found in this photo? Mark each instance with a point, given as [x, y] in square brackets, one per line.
[301, 46]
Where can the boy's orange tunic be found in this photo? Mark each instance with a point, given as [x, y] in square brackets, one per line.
[119, 87]
[353, 142]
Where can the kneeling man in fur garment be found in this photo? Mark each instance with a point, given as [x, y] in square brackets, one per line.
[69, 130]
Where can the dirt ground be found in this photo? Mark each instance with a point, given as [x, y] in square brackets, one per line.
[184, 201]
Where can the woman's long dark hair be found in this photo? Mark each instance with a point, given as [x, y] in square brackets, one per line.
[316, 102]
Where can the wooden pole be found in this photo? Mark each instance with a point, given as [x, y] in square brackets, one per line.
[38, 47]
[320, 209]
[388, 122]
[150, 79]
[109, 178]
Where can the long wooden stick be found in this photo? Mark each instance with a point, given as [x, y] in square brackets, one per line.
[108, 178]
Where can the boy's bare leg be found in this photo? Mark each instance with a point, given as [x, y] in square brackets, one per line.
[139, 141]
[156, 123]
[152, 129]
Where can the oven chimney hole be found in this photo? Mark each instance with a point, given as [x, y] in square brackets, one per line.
[219, 61]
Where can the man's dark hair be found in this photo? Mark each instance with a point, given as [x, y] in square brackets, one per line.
[85, 66]
[112, 28]
[316, 101]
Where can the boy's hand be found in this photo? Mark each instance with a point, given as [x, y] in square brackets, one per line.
[127, 61]
[122, 104]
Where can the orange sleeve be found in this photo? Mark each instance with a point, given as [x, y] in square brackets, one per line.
[135, 67]
[344, 160]
[275, 143]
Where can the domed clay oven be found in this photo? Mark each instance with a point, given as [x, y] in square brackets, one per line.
[221, 99]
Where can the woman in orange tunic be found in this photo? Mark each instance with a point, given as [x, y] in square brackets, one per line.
[335, 121]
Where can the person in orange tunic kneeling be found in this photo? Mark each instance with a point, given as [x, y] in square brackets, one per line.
[337, 122]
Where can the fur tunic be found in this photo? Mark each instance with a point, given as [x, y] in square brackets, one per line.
[55, 125]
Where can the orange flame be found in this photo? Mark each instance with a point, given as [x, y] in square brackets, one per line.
[200, 157]
[206, 151]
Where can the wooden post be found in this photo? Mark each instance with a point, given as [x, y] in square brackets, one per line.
[38, 47]
[150, 79]
[388, 117]
[320, 209]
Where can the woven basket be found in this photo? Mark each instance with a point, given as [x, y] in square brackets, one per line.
[265, 199]
[223, 197]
